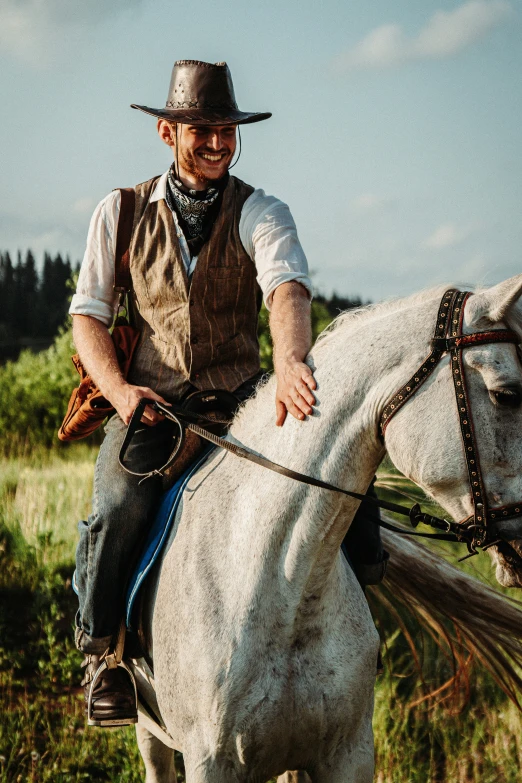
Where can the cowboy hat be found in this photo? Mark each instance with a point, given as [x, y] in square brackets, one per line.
[202, 94]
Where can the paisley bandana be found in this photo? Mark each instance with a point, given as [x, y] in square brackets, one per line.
[196, 209]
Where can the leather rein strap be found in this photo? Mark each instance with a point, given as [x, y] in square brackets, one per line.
[448, 336]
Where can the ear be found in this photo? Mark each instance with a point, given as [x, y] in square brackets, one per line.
[498, 303]
[166, 132]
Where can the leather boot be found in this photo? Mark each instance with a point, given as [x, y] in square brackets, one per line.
[113, 696]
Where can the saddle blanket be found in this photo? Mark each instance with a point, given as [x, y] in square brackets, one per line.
[158, 534]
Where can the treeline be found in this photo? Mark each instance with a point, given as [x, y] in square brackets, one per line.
[33, 304]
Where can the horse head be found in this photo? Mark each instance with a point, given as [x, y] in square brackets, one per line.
[424, 439]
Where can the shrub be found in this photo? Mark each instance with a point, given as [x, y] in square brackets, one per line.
[34, 392]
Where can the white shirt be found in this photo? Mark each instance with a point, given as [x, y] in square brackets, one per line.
[266, 229]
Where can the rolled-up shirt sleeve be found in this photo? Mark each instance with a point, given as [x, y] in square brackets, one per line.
[269, 235]
[95, 295]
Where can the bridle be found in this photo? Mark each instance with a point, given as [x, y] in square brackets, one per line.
[483, 528]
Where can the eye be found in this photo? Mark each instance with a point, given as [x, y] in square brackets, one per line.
[508, 397]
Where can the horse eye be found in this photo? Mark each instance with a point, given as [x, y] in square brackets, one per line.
[509, 398]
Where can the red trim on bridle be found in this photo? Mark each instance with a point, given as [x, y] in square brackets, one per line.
[485, 338]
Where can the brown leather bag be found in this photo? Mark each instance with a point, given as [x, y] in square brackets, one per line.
[88, 407]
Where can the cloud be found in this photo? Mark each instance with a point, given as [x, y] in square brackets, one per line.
[84, 206]
[446, 235]
[370, 203]
[30, 28]
[446, 34]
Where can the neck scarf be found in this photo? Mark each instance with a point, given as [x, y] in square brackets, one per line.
[196, 209]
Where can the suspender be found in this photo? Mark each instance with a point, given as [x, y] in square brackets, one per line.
[122, 275]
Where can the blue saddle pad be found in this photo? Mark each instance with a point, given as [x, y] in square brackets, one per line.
[158, 534]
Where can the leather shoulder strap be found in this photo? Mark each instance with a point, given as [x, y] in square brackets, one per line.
[122, 276]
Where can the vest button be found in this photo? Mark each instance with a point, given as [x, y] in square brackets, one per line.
[194, 341]
[192, 303]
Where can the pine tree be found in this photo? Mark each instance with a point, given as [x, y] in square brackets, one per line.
[6, 297]
[54, 292]
[31, 295]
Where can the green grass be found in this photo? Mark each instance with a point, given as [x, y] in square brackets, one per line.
[43, 736]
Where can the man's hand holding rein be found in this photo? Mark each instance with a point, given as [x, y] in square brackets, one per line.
[96, 349]
[290, 325]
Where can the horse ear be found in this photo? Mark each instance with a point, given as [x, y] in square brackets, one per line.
[499, 302]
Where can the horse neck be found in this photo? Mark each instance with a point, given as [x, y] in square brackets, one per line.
[357, 367]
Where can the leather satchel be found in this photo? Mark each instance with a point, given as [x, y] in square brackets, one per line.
[87, 407]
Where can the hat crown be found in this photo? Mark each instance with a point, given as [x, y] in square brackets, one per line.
[199, 85]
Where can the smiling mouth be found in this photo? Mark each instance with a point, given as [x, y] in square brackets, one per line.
[212, 158]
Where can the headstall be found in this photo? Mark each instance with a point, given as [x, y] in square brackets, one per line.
[483, 527]
[480, 529]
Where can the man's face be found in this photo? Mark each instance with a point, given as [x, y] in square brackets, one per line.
[206, 152]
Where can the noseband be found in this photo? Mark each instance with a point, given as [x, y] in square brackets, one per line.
[483, 527]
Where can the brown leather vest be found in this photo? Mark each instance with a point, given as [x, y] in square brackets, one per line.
[203, 331]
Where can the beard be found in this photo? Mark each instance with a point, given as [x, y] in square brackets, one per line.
[189, 162]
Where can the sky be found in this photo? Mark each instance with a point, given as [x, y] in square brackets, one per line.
[395, 136]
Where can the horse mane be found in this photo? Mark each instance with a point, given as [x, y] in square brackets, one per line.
[359, 315]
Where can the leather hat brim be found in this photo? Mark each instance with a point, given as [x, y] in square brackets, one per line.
[205, 116]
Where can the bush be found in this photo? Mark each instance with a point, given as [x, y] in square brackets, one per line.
[34, 392]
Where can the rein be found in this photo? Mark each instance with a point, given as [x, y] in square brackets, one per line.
[480, 529]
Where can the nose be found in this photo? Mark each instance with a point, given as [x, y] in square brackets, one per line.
[215, 141]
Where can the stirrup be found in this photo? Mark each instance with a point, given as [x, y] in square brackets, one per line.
[107, 722]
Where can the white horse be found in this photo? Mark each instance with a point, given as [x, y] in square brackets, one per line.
[264, 647]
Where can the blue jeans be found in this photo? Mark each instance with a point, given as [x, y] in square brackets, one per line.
[122, 510]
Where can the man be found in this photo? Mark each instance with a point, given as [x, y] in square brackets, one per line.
[205, 247]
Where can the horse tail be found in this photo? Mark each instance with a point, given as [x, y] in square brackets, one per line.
[465, 618]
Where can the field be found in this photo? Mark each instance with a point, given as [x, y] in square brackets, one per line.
[470, 739]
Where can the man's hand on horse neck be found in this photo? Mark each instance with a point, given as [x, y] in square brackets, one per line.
[290, 324]
[96, 350]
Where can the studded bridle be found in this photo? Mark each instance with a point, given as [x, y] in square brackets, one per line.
[482, 525]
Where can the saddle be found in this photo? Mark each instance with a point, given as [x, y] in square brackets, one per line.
[215, 408]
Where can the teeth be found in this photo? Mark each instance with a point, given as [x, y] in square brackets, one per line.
[211, 157]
